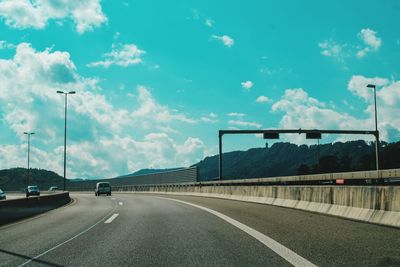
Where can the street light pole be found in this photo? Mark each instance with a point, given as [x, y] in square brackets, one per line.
[376, 130]
[29, 148]
[65, 131]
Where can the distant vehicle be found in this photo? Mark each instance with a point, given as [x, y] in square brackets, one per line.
[102, 188]
[32, 190]
[2, 195]
[53, 188]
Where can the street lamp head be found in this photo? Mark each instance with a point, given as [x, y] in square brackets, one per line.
[72, 92]
[60, 92]
[25, 133]
[371, 85]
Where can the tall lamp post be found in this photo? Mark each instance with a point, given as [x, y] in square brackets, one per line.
[373, 86]
[29, 148]
[65, 131]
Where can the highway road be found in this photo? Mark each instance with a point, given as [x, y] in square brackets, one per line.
[155, 230]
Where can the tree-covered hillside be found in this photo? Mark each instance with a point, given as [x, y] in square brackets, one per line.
[16, 179]
[289, 159]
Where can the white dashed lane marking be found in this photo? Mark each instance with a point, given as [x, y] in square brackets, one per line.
[115, 215]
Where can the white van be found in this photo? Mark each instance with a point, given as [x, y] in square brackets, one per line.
[102, 188]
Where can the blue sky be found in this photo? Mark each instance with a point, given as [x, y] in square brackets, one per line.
[156, 80]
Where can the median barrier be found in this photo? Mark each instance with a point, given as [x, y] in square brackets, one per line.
[15, 209]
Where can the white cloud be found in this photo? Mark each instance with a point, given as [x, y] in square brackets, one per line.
[239, 121]
[192, 148]
[346, 103]
[100, 140]
[155, 150]
[122, 55]
[150, 110]
[370, 39]
[116, 35]
[210, 118]
[15, 155]
[209, 22]
[225, 39]
[263, 99]
[302, 111]
[266, 71]
[332, 49]
[247, 85]
[6, 45]
[244, 123]
[358, 86]
[236, 114]
[388, 103]
[22, 14]
[340, 52]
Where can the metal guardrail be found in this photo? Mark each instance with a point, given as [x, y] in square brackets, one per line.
[186, 175]
[360, 175]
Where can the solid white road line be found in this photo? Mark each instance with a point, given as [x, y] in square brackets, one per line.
[115, 215]
[281, 250]
[72, 238]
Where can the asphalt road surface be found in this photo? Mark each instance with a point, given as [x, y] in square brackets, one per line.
[154, 230]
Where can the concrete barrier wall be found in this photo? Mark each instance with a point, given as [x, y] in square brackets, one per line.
[374, 204]
[15, 209]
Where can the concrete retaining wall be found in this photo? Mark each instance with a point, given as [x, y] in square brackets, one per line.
[373, 204]
[15, 209]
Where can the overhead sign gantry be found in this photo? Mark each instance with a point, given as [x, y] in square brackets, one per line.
[274, 134]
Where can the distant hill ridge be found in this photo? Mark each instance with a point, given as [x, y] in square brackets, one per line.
[280, 159]
[149, 171]
[16, 179]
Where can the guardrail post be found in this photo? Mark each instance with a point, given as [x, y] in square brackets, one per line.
[220, 155]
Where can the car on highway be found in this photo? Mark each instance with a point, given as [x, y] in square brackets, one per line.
[53, 188]
[102, 188]
[32, 190]
[2, 195]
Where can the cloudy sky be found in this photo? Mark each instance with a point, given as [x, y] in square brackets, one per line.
[155, 80]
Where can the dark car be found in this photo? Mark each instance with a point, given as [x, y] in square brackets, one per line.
[2, 195]
[32, 190]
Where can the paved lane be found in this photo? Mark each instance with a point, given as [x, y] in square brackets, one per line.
[323, 240]
[145, 230]
[28, 238]
[148, 231]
